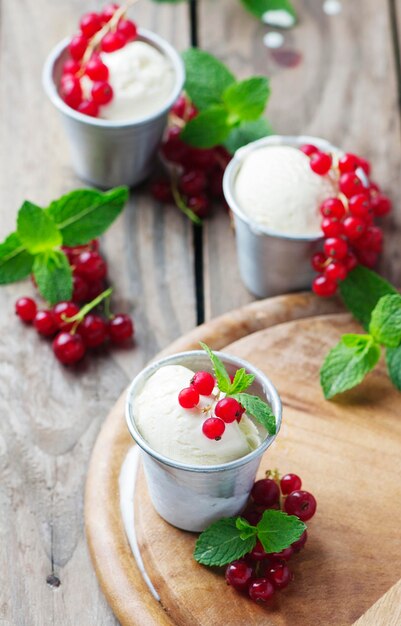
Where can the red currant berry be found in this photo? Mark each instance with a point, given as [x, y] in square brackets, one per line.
[240, 413]
[290, 482]
[108, 12]
[77, 47]
[80, 289]
[96, 69]
[239, 574]
[45, 323]
[191, 112]
[354, 227]
[319, 261]
[90, 23]
[88, 107]
[71, 91]
[112, 42]
[121, 328]
[333, 207]
[331, 227]
[68, 348]
[93, 330]
[174, 149]
[308, 149]
[348, 163]
[213, 428]
[258, 552]
[302, 504]
[284, 555]
[320, 163]
[350, 261]
[90, 265]
[365, 165]
[261, 590]
[252, 514]
[202, 159]
[360, 205]
[216, 182]
[179, 107]
[367, 258]
[102, 92]
[227, 409]
[299, 544]
[128, 30]
[200, 205]
[336, 248]
[376, 238]
[193, 182]
[63, 311]
[95, 288]
[381, 205]
[71, 67]
[279, 575]
[204, 383]
[324, 287]
[265, 492]
[350, 185]
[25, 308]
[188, 398]
[335, 271]
[161, 191]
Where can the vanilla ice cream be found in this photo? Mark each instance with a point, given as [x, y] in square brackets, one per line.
[141, 77]
[276, 188]
[176, 432]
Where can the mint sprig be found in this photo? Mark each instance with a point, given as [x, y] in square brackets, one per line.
[259, 410]
[231, 538]
[15, 261]
[220, 372]
[385, 323]
[53, 276]
[259, 8]
[36, 231]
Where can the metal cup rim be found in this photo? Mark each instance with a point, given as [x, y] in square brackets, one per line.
[144, 35]
[274, 400]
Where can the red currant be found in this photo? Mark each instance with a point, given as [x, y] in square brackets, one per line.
[77, 47]
[258, 552]
[88, 107]
[202, 159]
[381, 205]
[299, 544]
[63, 311]
[335, 271]
[319, 261]
[102, 92]
[71, 91]
[331, 227]
[204, 383]
[227, 409]
[320, 163]
[25, 308]
[279, 575]
[284, 555]
[112, 42]
[354, 227]
[71, 67]
[239, 574]
[179, 106]
[93, 330]
[350, 185]
[128, 30]
[96, 69]
[191, 112]
[290, 482]
[216, 182]
[360, 205]
[348, 163]
[90, 265]
[188, 398]
[324, 287]
[174, 149]
[261, 590]
[80, 289]
[213, 428]
[108, 12]
[121, 328]
[336, 248]
[265, 492]
[308, 149]
[375, 238]
[68, 348]
[45, 323]
[367, 258]
[161, 191]
[302, 504]
[365, 165]
[95, 288]
[350, 261]
[90, 23]
[193, 182]
[252, 514]
[200, 205]
[333, 207]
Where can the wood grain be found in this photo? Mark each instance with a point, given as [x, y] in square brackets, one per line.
[344, 89]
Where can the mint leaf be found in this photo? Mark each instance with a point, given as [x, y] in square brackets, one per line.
[209, 128]
[385, 323]
[85, 214]
[247, 530]
[246, 132]
[241, 381]
[393, 360]
[15, 262]
[261, 411]
[220, 372]
[247, 99]
[36, 230]
[259, 8]
[277, 530]
[361, 291]
[221, 543]
[206, 78]
[347, 364]
[53, 276]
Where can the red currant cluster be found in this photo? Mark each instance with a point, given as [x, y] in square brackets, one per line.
[260, 574]
[196, 175]
[225, 411]
[351, 237]
[106, 32]
[78, 328]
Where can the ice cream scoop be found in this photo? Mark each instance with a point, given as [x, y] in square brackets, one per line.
[176, 432]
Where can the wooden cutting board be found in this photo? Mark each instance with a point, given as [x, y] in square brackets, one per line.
[348, 453]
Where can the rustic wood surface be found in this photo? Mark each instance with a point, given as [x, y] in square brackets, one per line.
[345, 89]
[341, 574]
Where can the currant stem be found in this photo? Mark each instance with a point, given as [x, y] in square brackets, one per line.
[180, 202]
[85, 309]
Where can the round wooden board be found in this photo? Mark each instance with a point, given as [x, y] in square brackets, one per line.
[347, 452]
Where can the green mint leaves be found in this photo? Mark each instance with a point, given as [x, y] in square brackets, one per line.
[253, 405]
[231, 538]
[225, 105]
[393, 361]
[260, 8]
[73, 219]
[385, 323]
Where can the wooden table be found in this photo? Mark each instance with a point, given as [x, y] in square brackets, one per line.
[346, 88]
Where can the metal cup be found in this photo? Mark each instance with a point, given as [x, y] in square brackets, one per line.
[271, 263]
[193, 496]
[109, 153]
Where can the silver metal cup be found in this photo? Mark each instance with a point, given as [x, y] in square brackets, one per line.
[109, 153]
[271, 263]
[193, 496]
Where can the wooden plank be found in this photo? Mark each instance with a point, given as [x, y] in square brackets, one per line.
[386, 611]
[343, 89]
[51, 416]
